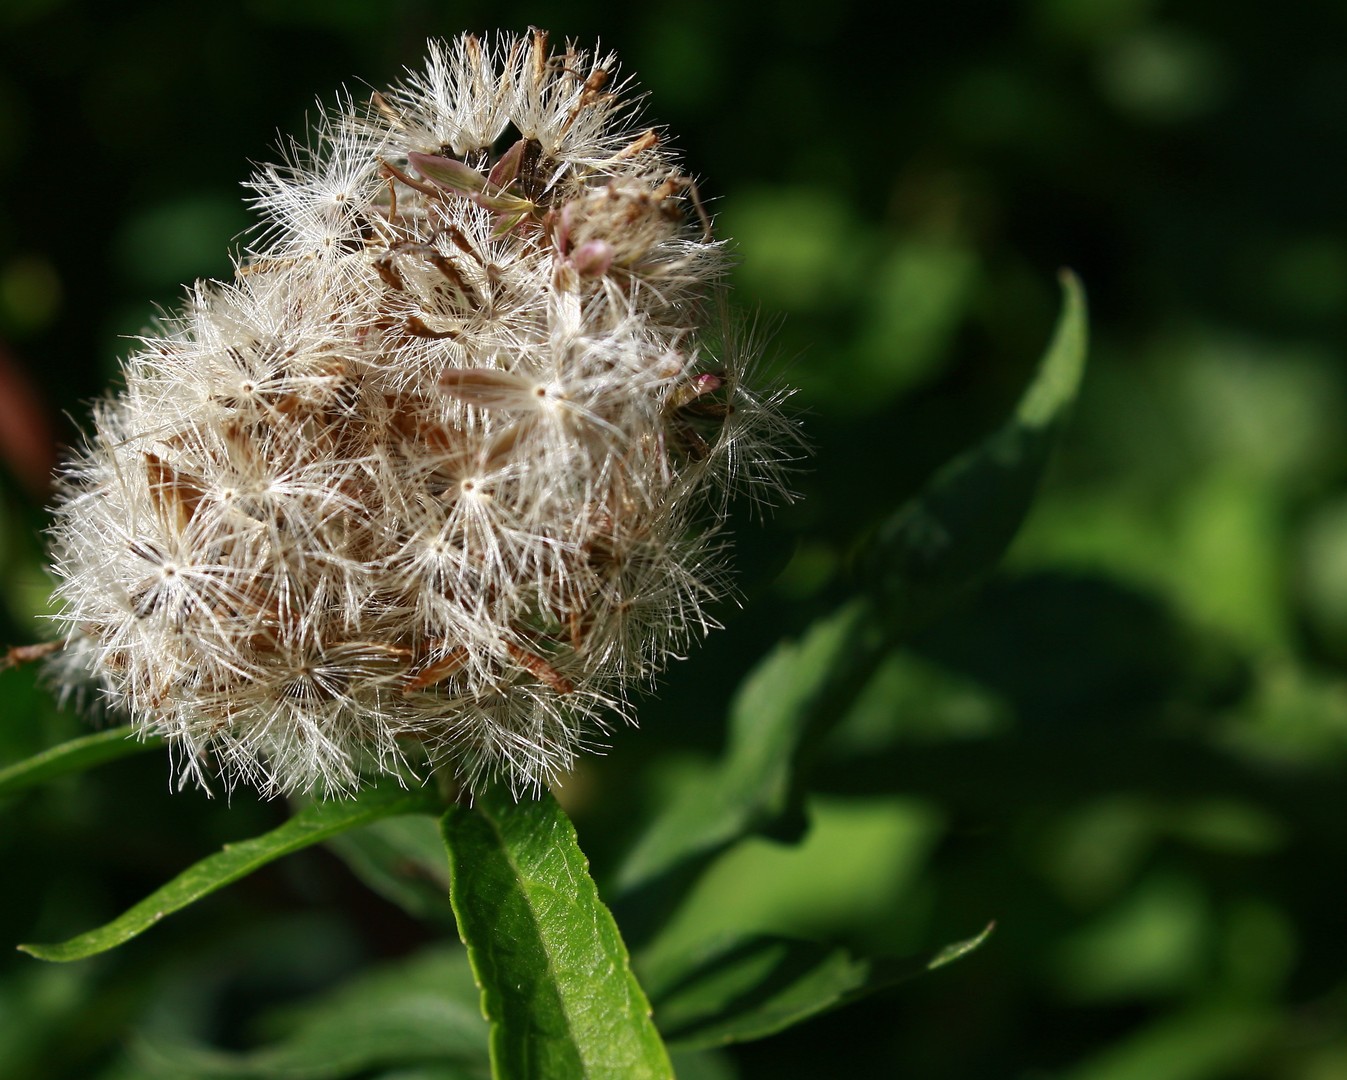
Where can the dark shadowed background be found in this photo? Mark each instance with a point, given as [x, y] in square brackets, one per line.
[1130, 749]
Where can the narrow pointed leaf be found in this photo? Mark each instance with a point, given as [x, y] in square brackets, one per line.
[556, 983]
[769, 717]
[953, 533]
[749, 988]
[422, 1010]
[73, 756]
[1054, 389]
[932, 549]
[314, 823]
[402, 859]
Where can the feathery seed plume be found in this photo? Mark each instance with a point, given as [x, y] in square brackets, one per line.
[437, 475]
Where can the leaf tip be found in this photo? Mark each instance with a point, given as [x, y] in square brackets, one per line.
[959, 949]
[1073, 292]
[1062, 367]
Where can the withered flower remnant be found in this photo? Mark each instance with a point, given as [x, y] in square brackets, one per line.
[437, 476]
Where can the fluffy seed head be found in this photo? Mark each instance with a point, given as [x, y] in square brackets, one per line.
[437, 476]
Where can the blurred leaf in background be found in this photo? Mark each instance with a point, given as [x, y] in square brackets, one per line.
[1128, 747]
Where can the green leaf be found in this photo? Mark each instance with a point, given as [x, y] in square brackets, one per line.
[73, 756]
[703, 1065]
[402, 859]
[1211, 1040]
[750, 988]
[951, 535]
[772, 713]
[1054, 389]
[556, 983]
[314, 823]
[414, 1012]
[937, 545]
[430, 1072]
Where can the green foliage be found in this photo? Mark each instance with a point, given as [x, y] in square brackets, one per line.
[402, 859]
[72, 757]
[924, 557]
[556, 984]
[424, 1010]
[311, 825]
[752, 788]
[957, 529]
[1097, 696]
[749, 988]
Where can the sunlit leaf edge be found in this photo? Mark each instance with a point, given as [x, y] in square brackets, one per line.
[556, 980]
[310, 825]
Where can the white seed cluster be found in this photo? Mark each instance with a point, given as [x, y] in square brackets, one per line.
[437, 476]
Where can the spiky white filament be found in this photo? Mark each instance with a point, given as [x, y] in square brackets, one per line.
[438, 474]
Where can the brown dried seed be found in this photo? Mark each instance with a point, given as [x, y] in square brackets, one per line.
[646, 140]
[539, 56]
[436, 671]
[417, 328]
[175, 498]
[488, 388]
[26, 654]
[540, 669]
[386, 110]
[387, 269]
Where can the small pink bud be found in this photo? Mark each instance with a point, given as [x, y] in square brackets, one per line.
[593, 258]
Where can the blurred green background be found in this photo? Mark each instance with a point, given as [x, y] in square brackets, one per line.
[1130, 750]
